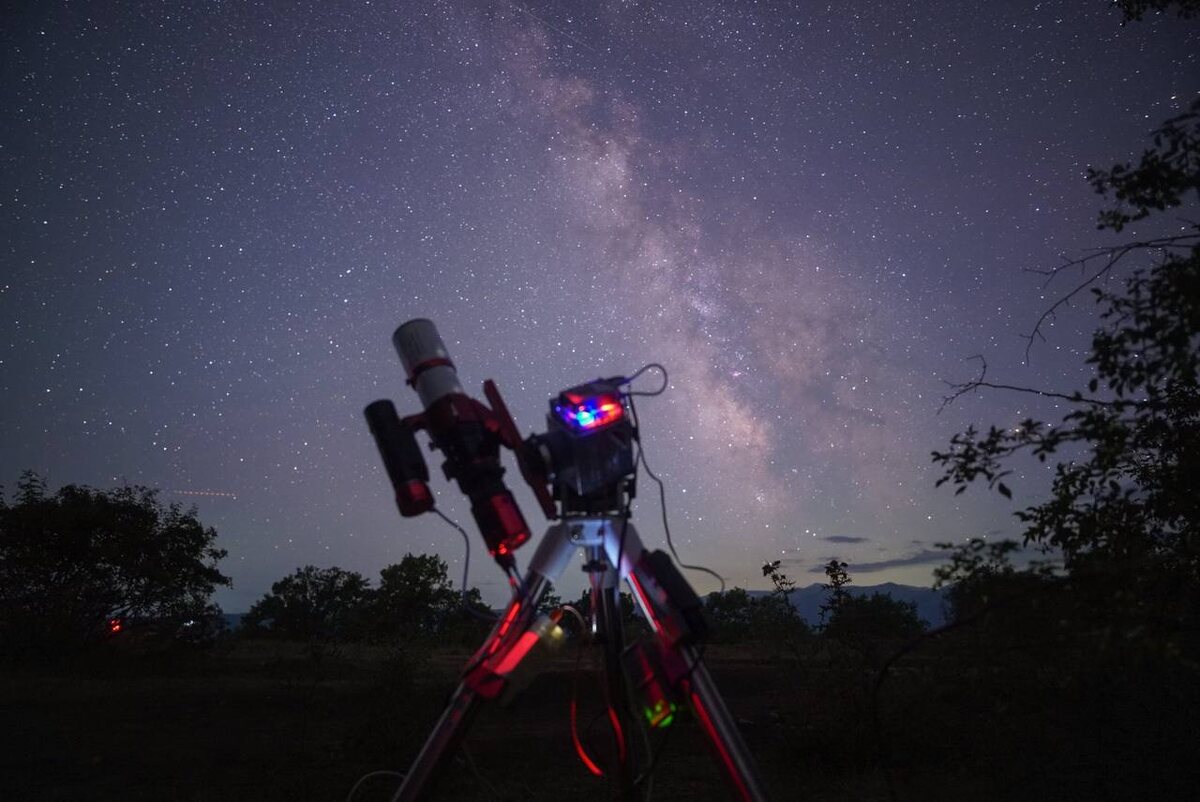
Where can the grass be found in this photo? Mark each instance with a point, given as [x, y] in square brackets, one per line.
[269, 720]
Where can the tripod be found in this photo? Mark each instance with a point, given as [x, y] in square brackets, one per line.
[586, 457]
[670, 669]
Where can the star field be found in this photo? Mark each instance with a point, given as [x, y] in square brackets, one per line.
[213, 216]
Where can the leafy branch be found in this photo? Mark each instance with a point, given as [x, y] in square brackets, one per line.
[1111, 257]
[1164, 176]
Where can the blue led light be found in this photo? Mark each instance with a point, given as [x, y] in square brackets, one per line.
[590, 413]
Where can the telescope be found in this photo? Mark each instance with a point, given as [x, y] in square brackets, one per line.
[583, 473]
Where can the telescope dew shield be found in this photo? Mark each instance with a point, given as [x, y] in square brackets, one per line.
[401, 458]
[426, 361]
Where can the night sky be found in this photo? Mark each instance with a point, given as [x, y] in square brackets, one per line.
[213, 215]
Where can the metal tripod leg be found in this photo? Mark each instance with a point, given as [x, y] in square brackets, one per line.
[450, 727]
[487, 673]
[484, 679]
[722, 731]
[660, 592]
[606, 610]
[669, 605]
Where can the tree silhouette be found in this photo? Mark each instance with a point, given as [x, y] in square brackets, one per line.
[626, 606]
[1123, 511]
[1134, 10]
[783, 584]
[729, 614]
[873, 618]
[864, 621]
[550, 602]
[415, 597]
[73, 560]
[835, 571]
[312, 604]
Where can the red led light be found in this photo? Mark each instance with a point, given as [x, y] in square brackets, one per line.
[620, 733]
[511, 529]
[646, 606]
[509, 617]
[579, 750]
[589, 413]
[516, 653]
[718, 743]
[414, 498]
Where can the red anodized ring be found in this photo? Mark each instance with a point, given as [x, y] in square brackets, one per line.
[428, 364]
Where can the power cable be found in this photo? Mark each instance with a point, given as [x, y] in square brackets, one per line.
[662, 498]
[584, 757]
[466, 568]
[642, 370]
[369, 775]
[487, 785]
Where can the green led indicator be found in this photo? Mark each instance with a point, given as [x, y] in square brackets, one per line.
[661, 715]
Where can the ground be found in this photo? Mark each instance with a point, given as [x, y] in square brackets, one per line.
[264, 720]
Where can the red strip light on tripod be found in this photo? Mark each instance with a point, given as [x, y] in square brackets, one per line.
[590, 413]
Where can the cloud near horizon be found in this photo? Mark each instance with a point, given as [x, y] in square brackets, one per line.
[920, 558]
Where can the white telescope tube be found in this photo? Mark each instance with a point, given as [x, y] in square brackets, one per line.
[426, 360]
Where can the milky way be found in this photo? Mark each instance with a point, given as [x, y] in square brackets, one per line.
[215, 214]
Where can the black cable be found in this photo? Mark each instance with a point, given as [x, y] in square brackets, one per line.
[369, 775]
[662, 498]
[615, 625]
[630, 704]
[466, 568]
[642, 370]
[647, 776]
[1050, 584]
[644, 729]
[625, 514]
[487, 786]
[514, 578]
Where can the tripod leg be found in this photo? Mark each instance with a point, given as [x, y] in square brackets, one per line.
[484, 679]
[722, 730]
[607, 611]
[450, 727]
[674, 613]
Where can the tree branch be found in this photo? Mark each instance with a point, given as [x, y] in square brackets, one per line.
[1112, 255]
[962, 389]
